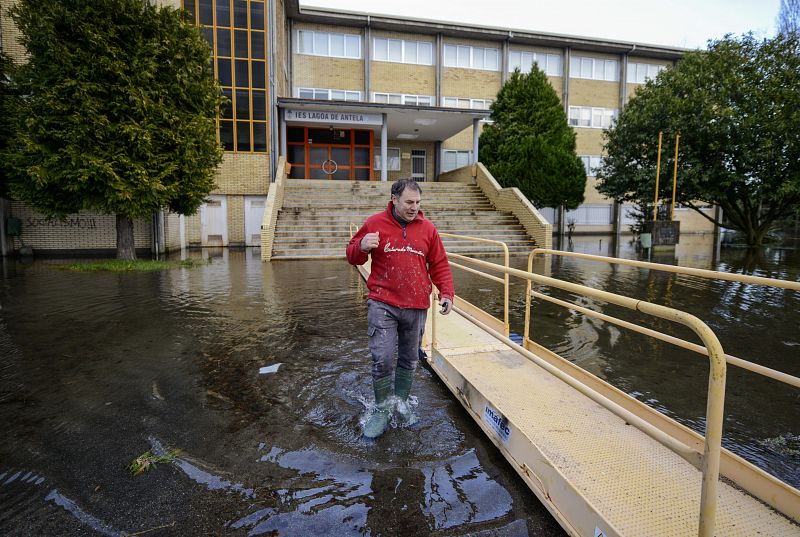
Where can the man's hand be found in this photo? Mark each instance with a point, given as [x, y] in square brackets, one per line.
[446, 305]
[370, 241]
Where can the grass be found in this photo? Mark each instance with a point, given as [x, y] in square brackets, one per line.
[139, 265]
[148, 460]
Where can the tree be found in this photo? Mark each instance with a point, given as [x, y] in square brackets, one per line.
[5, 116]
[789, 17]
[117, 113]
[737, 108]
[530, 145]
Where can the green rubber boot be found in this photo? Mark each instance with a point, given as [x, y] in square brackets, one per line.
[402, 382]
[377, 423]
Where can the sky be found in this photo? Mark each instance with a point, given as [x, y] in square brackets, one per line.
[678, 23]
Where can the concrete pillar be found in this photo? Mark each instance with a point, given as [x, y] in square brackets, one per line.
[384, 148]
[475, 137]
[504, 63]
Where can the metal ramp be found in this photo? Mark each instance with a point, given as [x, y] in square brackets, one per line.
[601, 462]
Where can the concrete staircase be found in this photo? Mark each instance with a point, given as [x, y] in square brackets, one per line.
[316, 216]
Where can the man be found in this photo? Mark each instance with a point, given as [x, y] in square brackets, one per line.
[407, 254]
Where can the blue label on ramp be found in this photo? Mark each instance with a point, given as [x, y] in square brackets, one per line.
[497, 422]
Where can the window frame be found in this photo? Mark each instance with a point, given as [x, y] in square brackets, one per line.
[584, 117]
[468, 57]
[403, 98]
[589, 68]
[457, 152]
[389, 159]
[329, 94]
[404, 50]
[539, 58]
[315, 34]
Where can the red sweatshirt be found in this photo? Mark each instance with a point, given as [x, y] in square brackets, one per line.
[404, 263]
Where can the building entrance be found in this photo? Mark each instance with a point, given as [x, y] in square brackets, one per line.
[330, 153]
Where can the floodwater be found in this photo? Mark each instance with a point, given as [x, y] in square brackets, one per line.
[96, 369]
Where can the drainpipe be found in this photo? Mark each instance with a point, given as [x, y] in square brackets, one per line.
[384, 147]
[367, 60]
[504, 66]
[565, 88]
[439, 68]
[4, 249]
[282, 123]
[273, 112]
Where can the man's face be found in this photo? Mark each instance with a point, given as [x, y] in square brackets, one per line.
[407, 205]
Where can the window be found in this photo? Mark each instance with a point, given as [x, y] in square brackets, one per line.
[587, 116]
[401, 98]
[639, 73]
[329, 94]
[596, 214]
[462, 102]
[549, 63]
[452, 159]
[591, 163]
[593, 68]
[392, 159]
[329, 44]
[472, 57]
[402, 51]
[236, 33]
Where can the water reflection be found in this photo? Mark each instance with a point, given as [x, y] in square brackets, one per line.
[96, 369]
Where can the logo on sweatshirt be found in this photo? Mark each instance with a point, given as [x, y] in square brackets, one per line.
[407, 248]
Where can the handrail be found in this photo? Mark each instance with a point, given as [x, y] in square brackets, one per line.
[733, 360]
[505, 277]
[703, 273]
[710, 461]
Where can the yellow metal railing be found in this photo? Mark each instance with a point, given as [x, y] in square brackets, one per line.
[503, 280]
[711, 274]
[709, 461]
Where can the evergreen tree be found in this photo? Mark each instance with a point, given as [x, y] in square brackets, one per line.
[117, 113]
[737, 108]
[530, 145]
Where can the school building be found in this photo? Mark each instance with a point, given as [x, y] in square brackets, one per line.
[346, 96]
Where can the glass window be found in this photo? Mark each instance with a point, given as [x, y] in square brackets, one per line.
[257, 45]
[381, 51]
[362, 137]
[395, 98]
[463, 56]
[322, 94]
[392, 159]
[259, 104]
[206, 12]
[259, 137]
[259, 73]
[478, 58]
[380, 98]
[227, 108]
[411, 52]
[243, 136]
[240, 13]
[337, 44]
[321, 43]
[242, 104]
[586, 67]
[425, 54]
[296, 153]
[208, 33]
[306, 42]
[361, 156]
[395, 50]
[296, 134]
[586, 117]
[306, 93]
[554, 64]
[491, 60]
[223, 42]
[226, 134]
[337, 95]
[352, 45]
[610, 70]
[256, 15]
[190, 9]
[242, 78]
[352, 96]
[240, 43]
[450, 55]
[224, 72]
[514, 61]
[223, 13]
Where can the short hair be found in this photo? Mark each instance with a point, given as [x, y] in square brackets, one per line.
[401, 184]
